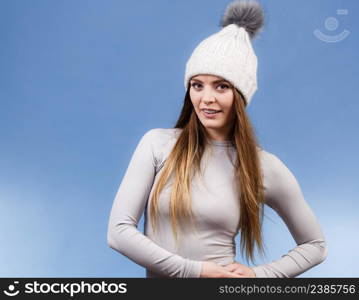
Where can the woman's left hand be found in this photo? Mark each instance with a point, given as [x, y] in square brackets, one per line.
[240, 269]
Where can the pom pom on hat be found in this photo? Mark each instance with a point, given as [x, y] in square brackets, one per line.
[247, 14]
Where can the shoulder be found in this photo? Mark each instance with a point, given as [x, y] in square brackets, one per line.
[279, 182]
[163, 133]
[161, 141]
[271, 164]
[161, 136]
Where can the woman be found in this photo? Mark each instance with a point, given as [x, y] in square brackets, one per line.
[205, 180]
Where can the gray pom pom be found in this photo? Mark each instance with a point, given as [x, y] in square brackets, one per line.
[247, 14]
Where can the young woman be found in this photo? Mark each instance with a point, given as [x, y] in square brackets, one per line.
[206, 180]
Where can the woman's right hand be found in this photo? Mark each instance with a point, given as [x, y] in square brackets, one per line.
[213, 270]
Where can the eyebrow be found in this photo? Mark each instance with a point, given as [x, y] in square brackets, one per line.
[216, 81]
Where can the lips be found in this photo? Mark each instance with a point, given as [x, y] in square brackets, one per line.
[211, 109]
[210, 115]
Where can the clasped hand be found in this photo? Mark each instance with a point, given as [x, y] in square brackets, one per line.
[233, 270]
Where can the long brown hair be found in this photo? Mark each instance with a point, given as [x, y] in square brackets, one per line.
[184, 162]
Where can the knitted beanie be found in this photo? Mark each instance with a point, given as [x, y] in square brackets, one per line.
[229, 52]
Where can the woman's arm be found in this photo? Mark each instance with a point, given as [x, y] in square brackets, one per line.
[129, 204]
[284, 195]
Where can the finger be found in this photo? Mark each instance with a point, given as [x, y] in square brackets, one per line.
[228, 275]
[236, 275]
[230, 268]
[239, 272]
[240, 265]
[231, 275]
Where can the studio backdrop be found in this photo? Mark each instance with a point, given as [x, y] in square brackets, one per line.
[82, 81]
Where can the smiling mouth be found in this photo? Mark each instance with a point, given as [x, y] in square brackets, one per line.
[210, 115]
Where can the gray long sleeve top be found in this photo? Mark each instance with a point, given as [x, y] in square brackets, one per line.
[215, 205]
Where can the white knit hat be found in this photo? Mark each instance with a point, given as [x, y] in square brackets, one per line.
[229, 52]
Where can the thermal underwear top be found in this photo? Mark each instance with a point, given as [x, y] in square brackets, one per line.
[215, 205]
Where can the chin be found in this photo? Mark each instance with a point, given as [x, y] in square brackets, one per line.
[211, 125]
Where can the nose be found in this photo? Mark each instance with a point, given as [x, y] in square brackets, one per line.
[208, 96]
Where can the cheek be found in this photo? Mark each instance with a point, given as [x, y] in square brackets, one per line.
[227, 104]
[230, 102]
[195, 100]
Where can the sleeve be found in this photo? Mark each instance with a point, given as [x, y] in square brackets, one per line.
[284, 195]
[128, 206]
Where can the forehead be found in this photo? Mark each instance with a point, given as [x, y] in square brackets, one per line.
[208, 78]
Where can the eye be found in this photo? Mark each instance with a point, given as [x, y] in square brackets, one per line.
[224, 85]
[194, 84]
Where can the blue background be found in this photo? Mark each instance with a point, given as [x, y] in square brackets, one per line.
[82, 81]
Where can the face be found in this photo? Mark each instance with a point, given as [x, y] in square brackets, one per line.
[213, 92]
